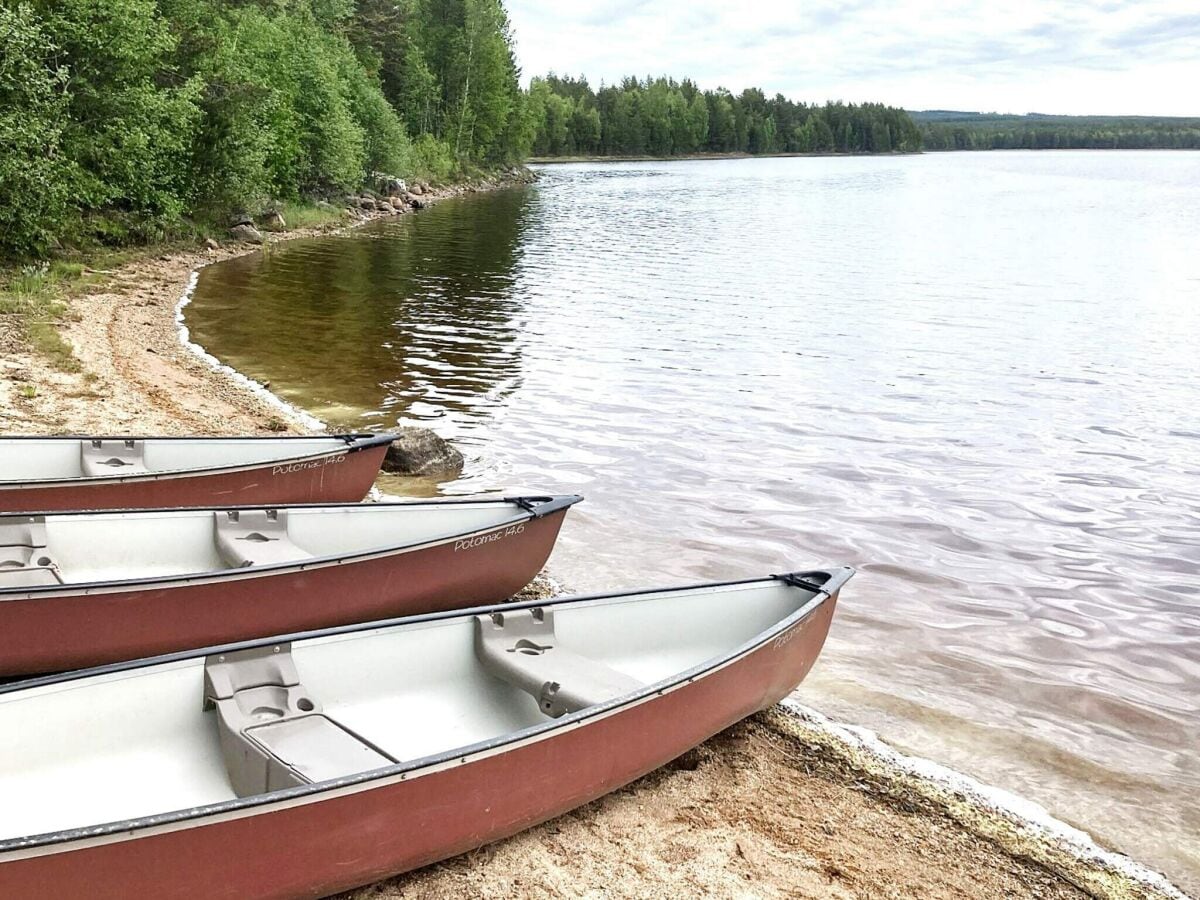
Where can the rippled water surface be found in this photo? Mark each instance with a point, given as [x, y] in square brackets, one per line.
[976, 377]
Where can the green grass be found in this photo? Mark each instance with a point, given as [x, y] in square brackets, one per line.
[309, 215]
[34, 295]
[46, 340]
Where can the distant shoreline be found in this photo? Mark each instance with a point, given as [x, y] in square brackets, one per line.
[552, 160]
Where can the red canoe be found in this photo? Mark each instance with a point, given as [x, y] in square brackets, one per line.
[83, 589]
[52, 473]
[308, 765]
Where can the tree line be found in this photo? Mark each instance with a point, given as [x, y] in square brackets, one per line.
[120, 118]
[665, 117]
[948, 130]
[124, 120]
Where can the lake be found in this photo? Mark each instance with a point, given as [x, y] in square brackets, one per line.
[976, 377]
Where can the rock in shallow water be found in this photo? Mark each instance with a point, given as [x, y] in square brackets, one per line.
[419, 451]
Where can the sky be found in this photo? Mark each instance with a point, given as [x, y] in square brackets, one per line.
[1102, 58]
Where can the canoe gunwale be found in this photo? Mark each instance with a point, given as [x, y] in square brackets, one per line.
[539, 506]
[836, 579]
[353, 443]
[34, 845]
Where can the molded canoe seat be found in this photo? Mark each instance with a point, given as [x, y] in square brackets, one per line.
[99, 457]
[24, 560]
[255, 537]
[520, 647]
[273, 733]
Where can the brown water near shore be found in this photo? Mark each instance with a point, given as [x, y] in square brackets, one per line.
[973, 376]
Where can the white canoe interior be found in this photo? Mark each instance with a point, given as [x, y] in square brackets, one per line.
[94, 749]
[56, 459]
[85, 548]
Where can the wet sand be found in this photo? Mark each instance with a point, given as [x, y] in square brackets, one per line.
[780, 805]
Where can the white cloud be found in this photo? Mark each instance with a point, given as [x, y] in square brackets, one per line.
[1122, 56]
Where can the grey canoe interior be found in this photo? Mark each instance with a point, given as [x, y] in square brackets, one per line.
[43, 551]
[150, 738]
[65, 458]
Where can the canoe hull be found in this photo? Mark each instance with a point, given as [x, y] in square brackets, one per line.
[56, 633]
[317, 845]
[344, 476]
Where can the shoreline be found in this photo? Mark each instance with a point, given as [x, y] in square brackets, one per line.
[137, 367]
[564, 160]
[787, 803]
[731, 154]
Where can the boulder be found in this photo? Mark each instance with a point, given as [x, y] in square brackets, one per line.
[416, 202]
[210, 244]
[247, 233]
[240, 217]
[416, 189]
[383, 206]
[274, 220]
[365, 202]
[389, 185]
[419, 451]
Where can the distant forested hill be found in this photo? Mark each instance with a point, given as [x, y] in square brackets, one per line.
[665, 117]
[118, 118]
[952, 130]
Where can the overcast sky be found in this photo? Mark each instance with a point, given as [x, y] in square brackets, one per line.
[1120, 56]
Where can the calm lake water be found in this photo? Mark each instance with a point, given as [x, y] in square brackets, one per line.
[976, 377]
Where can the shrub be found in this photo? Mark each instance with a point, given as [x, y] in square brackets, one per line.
[432, 158]
[35, 177]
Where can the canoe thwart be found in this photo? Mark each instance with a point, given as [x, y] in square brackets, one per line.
[520, 647]
[273, 732]
[248, 537]
[112, 457]
[24, 561]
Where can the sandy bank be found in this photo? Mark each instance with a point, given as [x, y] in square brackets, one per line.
[785, 804]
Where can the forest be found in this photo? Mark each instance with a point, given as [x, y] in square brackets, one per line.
[950, 130]
[120, 120]
[665, 117]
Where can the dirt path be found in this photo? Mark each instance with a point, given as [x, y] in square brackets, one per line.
[770, 808]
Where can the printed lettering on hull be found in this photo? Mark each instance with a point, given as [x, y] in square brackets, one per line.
[290, 468]
[480, 539]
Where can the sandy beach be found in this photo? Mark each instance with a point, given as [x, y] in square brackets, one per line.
[783, 804]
